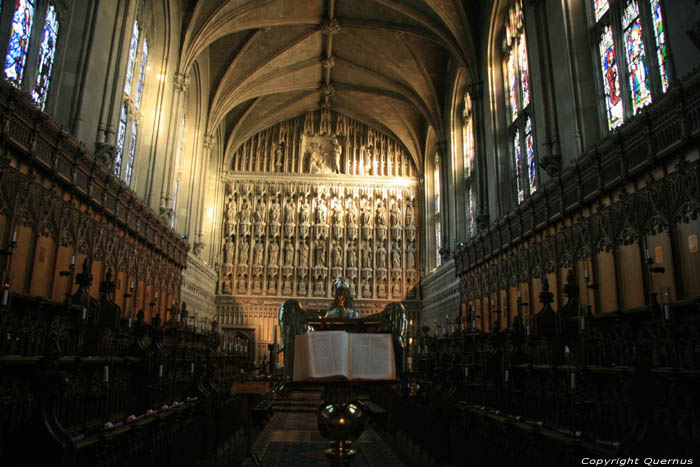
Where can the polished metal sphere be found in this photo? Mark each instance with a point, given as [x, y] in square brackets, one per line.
[341, 421]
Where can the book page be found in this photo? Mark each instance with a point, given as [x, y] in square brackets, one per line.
[322, 356]
[372, 357]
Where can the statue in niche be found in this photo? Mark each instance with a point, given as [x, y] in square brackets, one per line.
[320, 254]
[366, 290]
[288, 254]
[366, 154]
[337, 213]
[259, 212]
[325, 123]
[305, 212]
[381, 256]
[352, 213]
[243, 252]
[258, 253]
[367, 215]
[279, 156]
[303, 255]
[226, 287]
[275, 213]
[395, 258]
[410, 258]
[410, 215]
[337, 152]
[228, 251]
[245, 212]
[337, 255]
[352, 256]
[395, 215]
[273, 253]
[367, 256]
[321, 212]
[381, 214]
[289, 211]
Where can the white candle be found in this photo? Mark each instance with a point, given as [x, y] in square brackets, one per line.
[160, 371]
[192, 368]
[129, 321]
[583, 323]
[84, 313]
[466, 371]
[156, 297]
[585, 274]
[106, 374]
[667, 312]
[573, 380]
[5, 296]
[648, 254]
[14, 236]
[506, 376]
[132, 286]
[72, 260]
[527, 329]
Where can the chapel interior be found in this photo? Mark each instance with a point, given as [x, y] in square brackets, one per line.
[516, 181]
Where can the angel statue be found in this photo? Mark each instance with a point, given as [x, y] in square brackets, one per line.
[294, 321]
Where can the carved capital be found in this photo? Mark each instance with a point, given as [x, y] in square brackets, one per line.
[209, 141]
[330, 27]
[182, 82]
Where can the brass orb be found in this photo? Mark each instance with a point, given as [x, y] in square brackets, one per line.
[341, 422]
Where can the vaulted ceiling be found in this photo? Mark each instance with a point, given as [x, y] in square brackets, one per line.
[383, 62]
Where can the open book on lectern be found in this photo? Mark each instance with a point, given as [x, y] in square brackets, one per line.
[342, 356]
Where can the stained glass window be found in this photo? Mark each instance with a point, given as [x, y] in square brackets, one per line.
[629, 79]
[16, 58]
[436, 195]
[132, 151]
[133, 51]
[638, 70]
[519, 97]
[47, 52]
[517, 159]
[121, 135]
[601, 7]
[142, 73]
[468, 151]
[530, 148]
[611, 81]
[660, 35]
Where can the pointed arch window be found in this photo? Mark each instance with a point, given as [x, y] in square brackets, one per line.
[31, 47]
[632, 55]
[468, 153]
[129, 122]
[436, 213]
[517, 84]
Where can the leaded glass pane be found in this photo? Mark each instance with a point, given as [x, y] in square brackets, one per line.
[19, 41]
[661, 51]
[517, 158]
[47, 52]
[512, 87]
[530, 148]
[638, 70]
[436, 174]
[121, 134]
[611, 81]
[142, 73]
[524, 79]
[132, 151]
[601, 7]
[133, 49]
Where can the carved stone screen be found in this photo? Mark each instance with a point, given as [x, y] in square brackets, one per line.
[308, 200]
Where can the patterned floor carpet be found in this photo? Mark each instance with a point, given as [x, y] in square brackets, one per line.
[291, 438]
